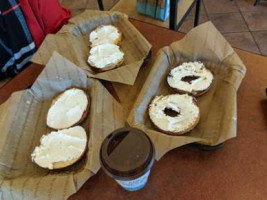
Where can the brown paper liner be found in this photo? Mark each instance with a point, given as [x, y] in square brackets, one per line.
[218, 118]
[23, 122]
[72, 42]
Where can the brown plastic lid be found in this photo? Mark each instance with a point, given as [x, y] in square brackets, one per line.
[127, 153]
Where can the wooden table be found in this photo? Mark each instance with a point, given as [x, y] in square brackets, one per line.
[237, 171]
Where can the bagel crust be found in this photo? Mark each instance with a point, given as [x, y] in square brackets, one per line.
[191, 78]
[60, 149]
[186, 118]
[105, 57]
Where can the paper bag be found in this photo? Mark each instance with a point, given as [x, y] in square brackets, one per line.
[23, 122]
[218, 116]
[72, 41]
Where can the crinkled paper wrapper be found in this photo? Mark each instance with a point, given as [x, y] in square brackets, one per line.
[72, 42]
[23, 122]
[218, 117]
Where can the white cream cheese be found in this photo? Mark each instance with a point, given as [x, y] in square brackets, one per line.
[190, 69]
[60, 146]
[182, 104]
[105, 55]
[104, 34]
[68, 109]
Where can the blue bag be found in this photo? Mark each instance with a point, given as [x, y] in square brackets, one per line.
[158, 9]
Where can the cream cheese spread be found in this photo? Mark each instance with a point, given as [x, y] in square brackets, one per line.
[60, 146]
[68, 109]
[202, 81]
[104, 55]
[104, 34]
[184, 105]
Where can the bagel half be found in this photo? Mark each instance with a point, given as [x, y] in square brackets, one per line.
[105, 57]
[68, 109]
[105, 34]
[186, 118]
[190, 78]
[60, 149]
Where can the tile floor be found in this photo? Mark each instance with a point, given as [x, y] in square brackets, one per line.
[78, 6]
[242, 24]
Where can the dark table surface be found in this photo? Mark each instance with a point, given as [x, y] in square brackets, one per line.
[236, 171]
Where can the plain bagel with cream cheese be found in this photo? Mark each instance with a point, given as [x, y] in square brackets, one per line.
[60, 149]
[68, 109]
[190, 77]
[105, 57]
[105, 34]
[174, 114]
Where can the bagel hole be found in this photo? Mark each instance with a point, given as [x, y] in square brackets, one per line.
[189, 79]
[170, 112]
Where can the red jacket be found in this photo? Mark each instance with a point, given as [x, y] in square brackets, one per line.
[43, 17]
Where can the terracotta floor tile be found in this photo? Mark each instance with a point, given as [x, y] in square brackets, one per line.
[248, 6]
[243, 41]
[256, 21]
[108, 4]
[93, 4]
[261, 39]
[78, 6]
[220, 6]
[189, 23]
[231, 22]
[202, 10]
